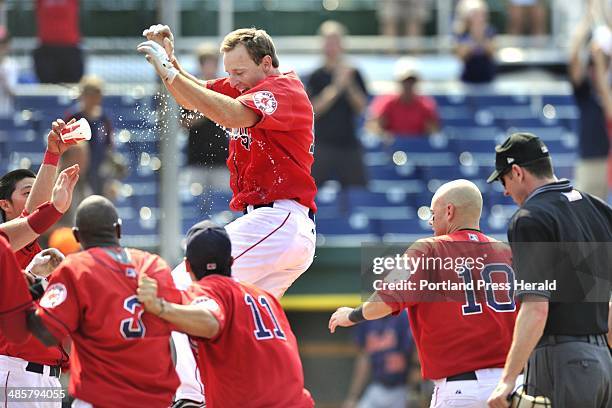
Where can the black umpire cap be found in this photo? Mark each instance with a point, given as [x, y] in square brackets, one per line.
[209, 250]
[519, 149]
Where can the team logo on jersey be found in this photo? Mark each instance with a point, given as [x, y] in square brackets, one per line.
[242, 134]
[54, 296]
[265, 101]
[473, 237]
[207, 303]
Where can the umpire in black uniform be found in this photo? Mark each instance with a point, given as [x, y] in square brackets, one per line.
[560, 332]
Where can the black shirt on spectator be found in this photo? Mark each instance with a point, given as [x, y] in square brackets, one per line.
[593, 134]
[336, 127]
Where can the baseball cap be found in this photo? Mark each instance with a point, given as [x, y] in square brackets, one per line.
[405, 72]
[518, 148]
[209, 249]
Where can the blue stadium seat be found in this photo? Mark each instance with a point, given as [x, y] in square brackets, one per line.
[470, 133]
[440, 172]
[401, 226]
[450, 99]
[353, 224]
[455, 112]
[534, 122]
[484, 101]
[473, 145]
[544, 133]
[359, 197]
[558, 100]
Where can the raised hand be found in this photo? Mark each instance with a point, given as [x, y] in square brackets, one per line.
[162, 35]
[156, 55]
[61, 196]
[54, 141]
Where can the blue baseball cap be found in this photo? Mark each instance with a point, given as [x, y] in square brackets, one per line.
[209, 249]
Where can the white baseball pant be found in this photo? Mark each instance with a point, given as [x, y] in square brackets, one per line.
[272, 247]
[467, 394]
[13, 376]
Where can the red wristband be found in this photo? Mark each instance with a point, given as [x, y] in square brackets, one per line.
[43, 217]
[51, 158]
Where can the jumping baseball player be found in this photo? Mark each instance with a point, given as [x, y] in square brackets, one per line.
[237, 327]
[30, 363]
[269, 121]
[461, 342]
[121, 356]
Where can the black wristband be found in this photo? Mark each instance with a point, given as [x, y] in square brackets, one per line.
[356, 316]
[37, 289]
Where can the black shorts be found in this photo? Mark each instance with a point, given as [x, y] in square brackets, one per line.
[56, 63]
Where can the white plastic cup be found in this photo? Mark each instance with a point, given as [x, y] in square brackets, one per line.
[77, 132]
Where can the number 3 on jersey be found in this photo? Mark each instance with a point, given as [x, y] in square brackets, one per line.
[261, 332]
[133, 327]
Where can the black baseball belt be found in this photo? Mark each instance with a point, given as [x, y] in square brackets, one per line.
[552, 339]
[54, 371]
[311, 213]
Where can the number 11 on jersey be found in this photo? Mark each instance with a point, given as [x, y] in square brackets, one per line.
[261, 332]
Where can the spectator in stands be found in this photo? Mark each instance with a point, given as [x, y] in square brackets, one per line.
[410, 15]
[407, 113]
[58, 57]
[601, 51]
[594, 145]
[8, 75]
[338, 94]
[534, 9]
[100, 148]
[475, 44]
[385, 350]
[207, 147]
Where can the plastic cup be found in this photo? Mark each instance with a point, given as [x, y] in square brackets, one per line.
[77, 132]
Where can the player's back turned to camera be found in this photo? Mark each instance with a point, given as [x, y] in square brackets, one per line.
[462, 336]
[91, 297]
[237, 327]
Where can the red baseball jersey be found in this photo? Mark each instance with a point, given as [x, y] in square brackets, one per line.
[14, 294]
[272, 160]
[120, 355]
[32, 350]
[405, 118]
[253, 361]
[58, 22]
[472, 328]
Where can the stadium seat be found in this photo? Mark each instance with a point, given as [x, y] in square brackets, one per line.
[353, 224]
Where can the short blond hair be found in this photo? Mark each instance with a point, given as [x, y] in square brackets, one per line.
[206, 51]
[257, 42]
[91, 83]
[332, 27]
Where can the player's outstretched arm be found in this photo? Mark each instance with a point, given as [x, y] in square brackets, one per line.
[219, 108]
[43, 185]
[22, 231]
[371, 310]
[195, 320]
